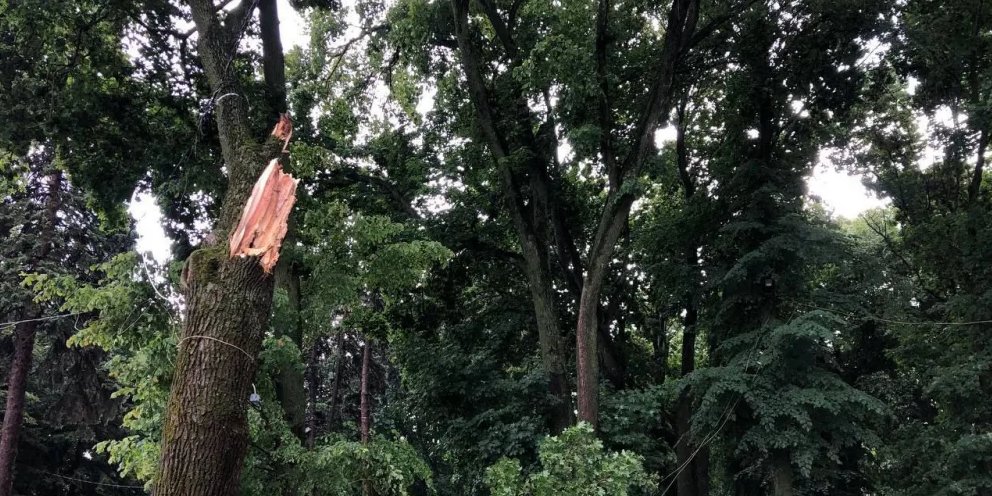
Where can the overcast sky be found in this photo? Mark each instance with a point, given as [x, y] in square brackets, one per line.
[843, 194]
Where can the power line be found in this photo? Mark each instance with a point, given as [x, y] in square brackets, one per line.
[52, 317]
[898, 322]
[106, 484]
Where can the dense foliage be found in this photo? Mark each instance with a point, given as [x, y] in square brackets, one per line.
[538, 248]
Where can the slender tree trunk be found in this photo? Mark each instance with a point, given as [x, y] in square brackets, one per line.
[587, 362]
[694, 479]
[616, 211]
[976, 178]
[290, 382]
[661, 345]
[14, 413]
[24, 336]
[205, 436]
[273, 59]
[365, 419]
[332, 407]
[364, 402]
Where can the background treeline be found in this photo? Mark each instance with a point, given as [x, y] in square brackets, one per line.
[539, 248]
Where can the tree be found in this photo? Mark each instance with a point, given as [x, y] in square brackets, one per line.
[205, 437]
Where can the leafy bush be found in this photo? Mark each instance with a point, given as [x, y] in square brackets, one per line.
[573, 463]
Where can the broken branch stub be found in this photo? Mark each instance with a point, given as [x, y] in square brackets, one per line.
[263, 223]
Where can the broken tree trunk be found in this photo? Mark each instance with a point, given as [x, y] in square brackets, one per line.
[205, 436]
[264, 221]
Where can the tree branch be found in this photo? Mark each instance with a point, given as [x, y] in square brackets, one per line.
[605, 106]
[681, 24]
[976, 178]
[502, 31]
[273, 60]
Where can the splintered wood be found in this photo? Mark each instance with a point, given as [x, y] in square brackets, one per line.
[264, 219]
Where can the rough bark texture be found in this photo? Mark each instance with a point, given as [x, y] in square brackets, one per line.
[228, 300]
[206, 432]
[14, 412]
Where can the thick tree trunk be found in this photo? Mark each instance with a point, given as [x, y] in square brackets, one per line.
[14, 413]
[549, 337]
[586, 359]
[205, 436]
[206, 432]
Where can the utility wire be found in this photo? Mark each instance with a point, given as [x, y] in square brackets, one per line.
[52, 317]
[106, 484]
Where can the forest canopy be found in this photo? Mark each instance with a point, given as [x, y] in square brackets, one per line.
[508, 248]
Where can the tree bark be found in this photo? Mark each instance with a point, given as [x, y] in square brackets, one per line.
[693, 480]
[273, 59]
[205, 436]
[313, 386]
[660, 349]
[365, 420]
[364, 405]
[14, 413]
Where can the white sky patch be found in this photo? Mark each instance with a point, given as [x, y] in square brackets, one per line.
[151, 236]
[667, 134]
[292, 29]
[843, 194]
